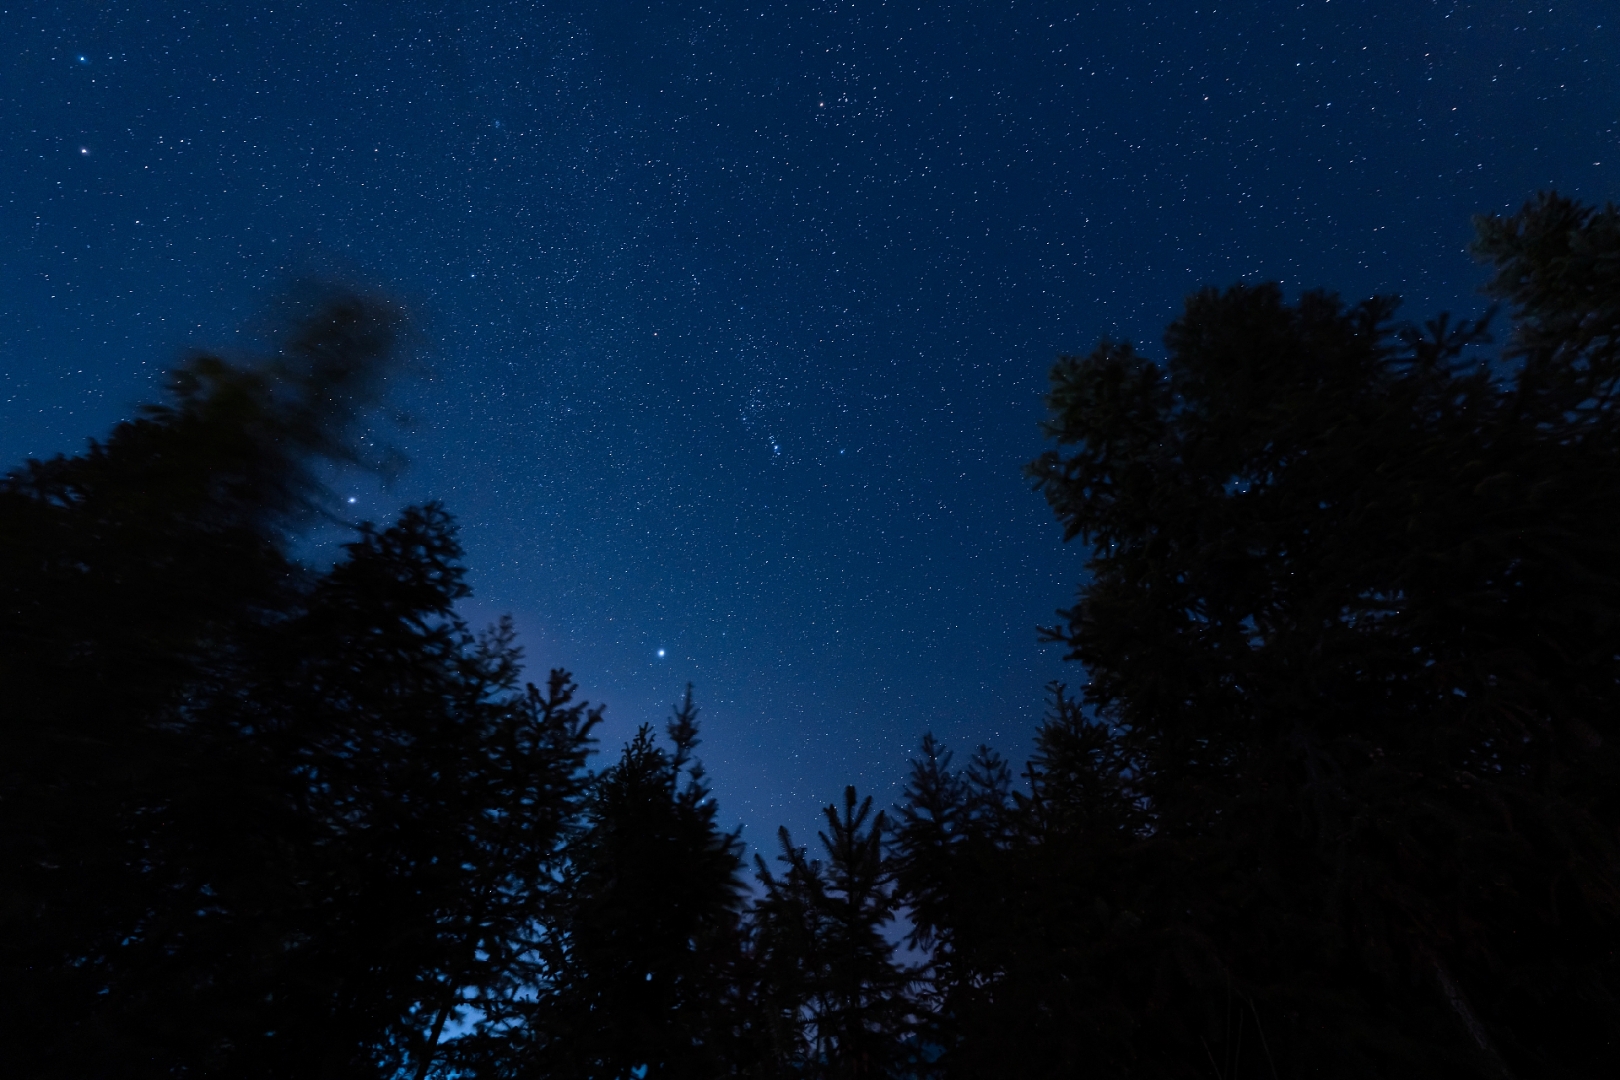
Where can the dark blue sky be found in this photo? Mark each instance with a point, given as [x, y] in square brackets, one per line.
[739, 314]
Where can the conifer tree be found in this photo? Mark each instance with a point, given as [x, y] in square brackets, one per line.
[641, 976]
[1012, 896]
[257, 819]
[131, 577]
[1351, 625]
[507, 926]
[443, 793]
[827, 951]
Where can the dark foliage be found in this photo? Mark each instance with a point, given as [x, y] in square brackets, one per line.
[1011, 896]
[132, 576]
[1340, 800]
[256, 820]
[830, 978]
[644, 957]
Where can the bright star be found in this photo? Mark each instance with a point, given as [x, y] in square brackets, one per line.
[351, 500]
[660, 652]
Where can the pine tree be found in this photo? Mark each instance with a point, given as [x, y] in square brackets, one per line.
[257, 819]
[641, 976]
[825, 946]
[508, 924]
[441, 793]
[131, 576]
[1350, 622]
[1013, 897]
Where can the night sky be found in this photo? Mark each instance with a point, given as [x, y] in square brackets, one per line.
[737, 316]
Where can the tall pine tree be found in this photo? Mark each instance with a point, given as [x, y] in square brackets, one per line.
[133, 577]
[256, 819]
[1351, 625]
[641, 973]
[831, 975]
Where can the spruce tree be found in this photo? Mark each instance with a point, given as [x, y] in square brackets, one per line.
[1350, 622]
[133, 577]
[1014, 899]
[442, 794]
[640, 981]
[827, 952]
[258, 819]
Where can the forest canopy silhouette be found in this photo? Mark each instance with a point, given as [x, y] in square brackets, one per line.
[1335, 793]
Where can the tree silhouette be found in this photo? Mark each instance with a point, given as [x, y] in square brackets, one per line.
[1350, 629]
[444, 793]
[830, 965]
[130, 576]
[257, 819]
[1014, 898]
[642, 970]
[1335, 797]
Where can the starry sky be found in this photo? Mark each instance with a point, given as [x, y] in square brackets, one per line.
[736, 316]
